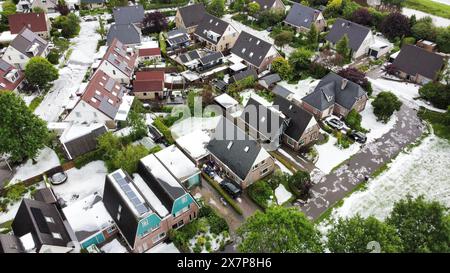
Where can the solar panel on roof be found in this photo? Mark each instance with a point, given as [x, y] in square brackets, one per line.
[131, 195]
[136, 202]
[117, 176]
[126, 188]
[141, 209]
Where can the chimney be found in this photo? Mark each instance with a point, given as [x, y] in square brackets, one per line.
[343, 84]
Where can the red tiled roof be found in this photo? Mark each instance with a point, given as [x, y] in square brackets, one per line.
[5, 83]
[149, 81]
[36, 22]
[149, 52]
[119, 56]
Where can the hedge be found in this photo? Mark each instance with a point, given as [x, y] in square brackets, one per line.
[87, 158]
[159, 124]
[227, 198]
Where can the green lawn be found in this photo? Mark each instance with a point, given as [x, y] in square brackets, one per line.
[430, 7]
[35, 103]
[437, 121]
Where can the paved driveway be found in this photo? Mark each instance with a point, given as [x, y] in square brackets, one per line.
[333, 187]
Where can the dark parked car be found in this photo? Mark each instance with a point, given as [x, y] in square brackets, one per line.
[335, 123]
[358, 137]
[231, 188]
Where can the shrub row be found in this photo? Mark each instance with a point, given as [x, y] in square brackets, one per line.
[227, 198]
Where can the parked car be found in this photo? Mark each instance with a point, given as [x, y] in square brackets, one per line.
[269, 29]
[230, 188]
[209, 170]
[358, 137]
[335, 123]
[58, 178]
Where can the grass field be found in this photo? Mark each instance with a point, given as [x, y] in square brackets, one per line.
[430, 7]
[438, 121]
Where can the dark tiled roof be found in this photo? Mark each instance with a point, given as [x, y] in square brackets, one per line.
[250, 72]
[128, 15]
[229, 144]
[301, 16]
[250, 48]
[211, 57]
[298, 118]
[329, 91]
[210, 24]
[10, 244]
[415, 60]
[192, 15]
[271, 79]
[281, 91]
[356, 33]
[26, 40]
[126, 33]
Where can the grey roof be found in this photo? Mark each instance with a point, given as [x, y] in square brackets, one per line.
[298, 117]
[356, 33]
[92, 1]
[189, 56]
[250, 48]
[265, 4]
[271, 79]
[26, 39]
[211, 57]
[250, 72]
[30, 218]
[192, 15]
[10, 244]
[268, 122]
[301, 16]
[127, 34]
[329, 91]
[45, 195]
[229, 144]
[281, 91]
[177, 36]
[415, 60]
[211, 23]
[127, 15]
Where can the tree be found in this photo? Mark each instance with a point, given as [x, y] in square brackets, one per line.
[353, 120]
[101, 30]
[217, 8]
[437, 93]
[283, 38]
[356, 76]
[362, 16]
[39, 72]
[424, 29]
[384, 105]
[154, 22]
[238, 5]
[395, 25]
[300, 183]
[353, 235]
[281, 66]
[342, 47]
[422, 226]
[128, 158]
[8, 8]
[69, 25]
[62, 8]
[253, 8]
[53, 56]
[300, 59]
[22, 134]
[349, 8]
[109, 144]
[278, 230]
[138, 126]
[443, 39]
[313, 37]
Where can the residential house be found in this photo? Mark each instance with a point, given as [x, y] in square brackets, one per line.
[10, 244]
[80, 138]
[334, 95]
[217, 34]
[149, 54]
[91, 209]
[282, 91]
[92, 4]
[149, 85]
[36, 22]
[41, 228]
[178, 39]
[189, 17]
[249, 72]
[179, 165]
[119, 62]
[11, 78]
[418, 65]
[302, 129]
[302, 17]
[193, 145]
[26, 45]
[47, 5]
[128, 34]
[227, 103]
[263, 123]
[254, 52]
[360, 37]
[104, 101]
[238, 156]
[209, 61]
[269, 81]
[147, 207]
[276, 5]
[129, 15]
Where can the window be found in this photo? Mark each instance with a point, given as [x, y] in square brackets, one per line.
[56, 235]
[114, 72]
[178, 225]
[159, 237]
[118, 216]
[49, 219]
[21, 57]
[264, 171]
[9, 57]
[78, 114]
[111, 229]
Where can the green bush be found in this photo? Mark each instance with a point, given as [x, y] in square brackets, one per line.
[227, 198]
[15, 192]
[208, 246]
[300, 184]
[342, 140]
[217, 224]
[159, 124]
[260, 192]
[53, 56]
[353, 120]
[87, 158]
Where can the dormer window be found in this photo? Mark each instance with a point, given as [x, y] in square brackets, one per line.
[97, 92]
[251, 54]
[94, 100]
[243, 50]
[229, 145]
